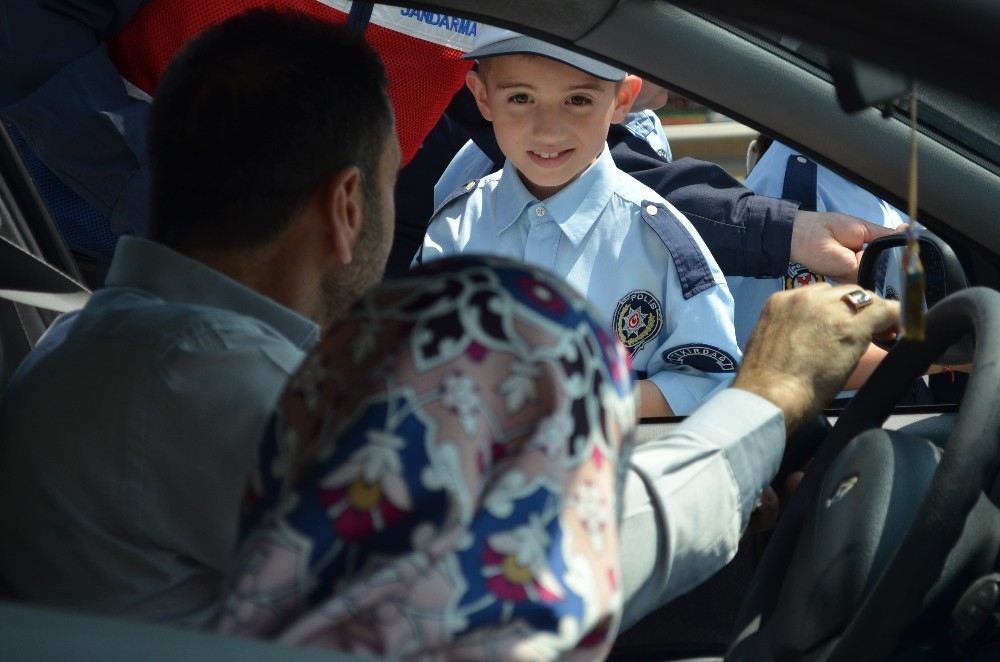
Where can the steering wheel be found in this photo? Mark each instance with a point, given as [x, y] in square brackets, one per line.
[806, 601]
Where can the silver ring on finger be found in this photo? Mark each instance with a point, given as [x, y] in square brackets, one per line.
[857, 299]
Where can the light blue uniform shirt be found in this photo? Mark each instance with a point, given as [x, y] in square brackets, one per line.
[634, 257]
[833, 193]
[128, 435]
[471, 163]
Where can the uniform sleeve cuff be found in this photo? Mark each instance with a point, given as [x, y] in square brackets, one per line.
[775, 219]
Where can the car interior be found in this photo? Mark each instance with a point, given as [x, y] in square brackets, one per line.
[907, 567]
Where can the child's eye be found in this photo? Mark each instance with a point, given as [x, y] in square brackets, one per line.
[579, 100]
[518, 98]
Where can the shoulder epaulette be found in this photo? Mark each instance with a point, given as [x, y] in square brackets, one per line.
[465, 189]
[801, 175]
[692, 268]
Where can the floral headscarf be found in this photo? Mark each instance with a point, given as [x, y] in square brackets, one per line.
[443, 477]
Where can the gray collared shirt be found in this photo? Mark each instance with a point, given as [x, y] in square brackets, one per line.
[689, 495]
[128, 433]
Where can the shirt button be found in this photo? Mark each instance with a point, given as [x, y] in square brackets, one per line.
[662, 153]
[469, 185]
[651, 210]
[539, 211]
[801, 159]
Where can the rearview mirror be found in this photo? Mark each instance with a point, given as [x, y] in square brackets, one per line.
[861, 85]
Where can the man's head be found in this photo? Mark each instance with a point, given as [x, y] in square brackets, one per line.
[550, 107]
[268, 120]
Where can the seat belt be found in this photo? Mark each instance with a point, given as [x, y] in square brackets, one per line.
[27, 279]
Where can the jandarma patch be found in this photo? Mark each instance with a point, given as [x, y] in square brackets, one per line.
[701, 357]
[799, 276]
[638, 319]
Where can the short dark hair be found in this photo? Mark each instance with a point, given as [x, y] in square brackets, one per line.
[250, 119]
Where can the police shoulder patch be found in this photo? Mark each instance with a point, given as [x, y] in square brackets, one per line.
[638, 319]
[799, 276]
[706, 358]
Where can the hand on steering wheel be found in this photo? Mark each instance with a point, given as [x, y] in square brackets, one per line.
[892, 597]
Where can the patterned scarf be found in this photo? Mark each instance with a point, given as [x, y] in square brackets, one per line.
[443, 477]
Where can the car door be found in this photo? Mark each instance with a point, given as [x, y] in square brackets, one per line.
[38, 277]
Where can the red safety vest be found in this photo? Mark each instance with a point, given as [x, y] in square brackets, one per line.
[420, 49]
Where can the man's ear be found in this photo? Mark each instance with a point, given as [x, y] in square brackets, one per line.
[474, 81]
[343, 211]
[628, 91]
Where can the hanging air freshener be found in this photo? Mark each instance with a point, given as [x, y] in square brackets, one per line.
[913, 279]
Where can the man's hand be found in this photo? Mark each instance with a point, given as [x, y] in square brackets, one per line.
[830, 243]
[806, 343]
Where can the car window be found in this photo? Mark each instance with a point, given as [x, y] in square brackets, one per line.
[701, 132]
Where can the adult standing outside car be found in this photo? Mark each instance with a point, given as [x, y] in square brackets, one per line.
[79, 127]
[76, 79]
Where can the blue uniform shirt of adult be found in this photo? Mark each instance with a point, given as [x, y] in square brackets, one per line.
[128, 435]
[832, 193]
[79, 126]
[635, 257]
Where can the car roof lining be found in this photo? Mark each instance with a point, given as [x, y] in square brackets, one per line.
[889, 33]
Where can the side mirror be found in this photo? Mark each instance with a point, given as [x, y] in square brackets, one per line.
[880, 271]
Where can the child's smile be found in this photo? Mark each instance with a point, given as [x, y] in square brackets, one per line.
[550, 159]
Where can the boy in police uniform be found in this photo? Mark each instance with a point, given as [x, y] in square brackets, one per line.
[561, 203]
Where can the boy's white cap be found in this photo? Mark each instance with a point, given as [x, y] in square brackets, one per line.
[490, 41]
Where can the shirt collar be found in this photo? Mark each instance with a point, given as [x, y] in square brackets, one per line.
[175, 278]
[574, 209]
